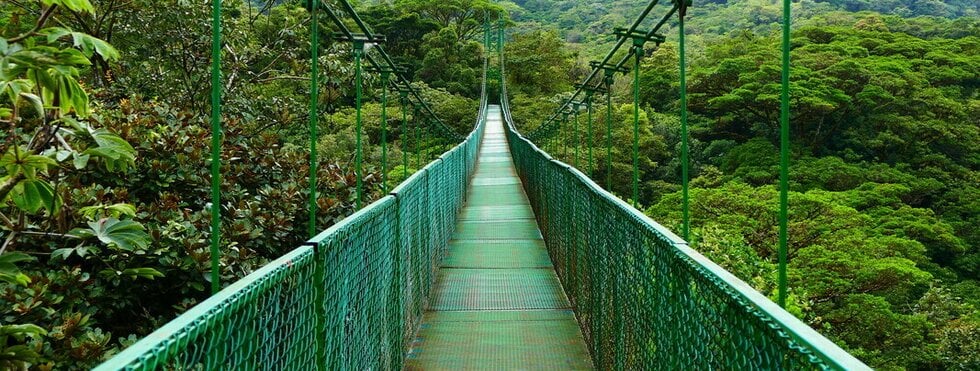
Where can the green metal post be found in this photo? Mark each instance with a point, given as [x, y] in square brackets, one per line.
[358, 52]
[588, 107]
[500, 45]
[784, 159]
[564, 129]
[638, 54]
[575, 134]
[384, 130]
[608, 81]
[425, 139]
[418, 138]
[486, 35]
[215, 145]
[314, 111]
[684, 134]
[404, 133]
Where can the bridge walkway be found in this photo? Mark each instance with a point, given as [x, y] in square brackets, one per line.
[497, 303]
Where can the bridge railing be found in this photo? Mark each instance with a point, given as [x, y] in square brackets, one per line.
[350, 298]
[643, 298]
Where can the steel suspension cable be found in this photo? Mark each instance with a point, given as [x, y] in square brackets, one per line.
[619, 43]
[368, 36]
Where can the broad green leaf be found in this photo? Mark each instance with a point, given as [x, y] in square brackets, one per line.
[32, 195]
[20, 330]
[55, 33]
[89, 44]
[14, 88]
[116, 152]
[75, 124]
[62, 155]
[35, 102]
[83, 6]
[80, 161]
[148, 273]
[19, 161]
[62, 253]
[8, 269]
[64, 85]
[123, 234]
[114, 210]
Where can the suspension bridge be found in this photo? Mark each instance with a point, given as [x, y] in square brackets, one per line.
[492, 256]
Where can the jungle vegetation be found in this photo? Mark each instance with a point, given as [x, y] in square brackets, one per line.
[104, 222]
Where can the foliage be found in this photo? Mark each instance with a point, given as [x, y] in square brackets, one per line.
[538, 63]
[90, 219]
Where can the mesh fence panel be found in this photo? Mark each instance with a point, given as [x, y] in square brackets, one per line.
[643, 298]
[352, 298]
[266, 320]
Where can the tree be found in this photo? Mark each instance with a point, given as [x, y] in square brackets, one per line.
[539, 63]
[467, 17]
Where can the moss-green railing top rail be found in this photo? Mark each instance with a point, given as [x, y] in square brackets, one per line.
[795, 343]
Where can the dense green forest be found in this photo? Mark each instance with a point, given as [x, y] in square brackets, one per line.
[884, 250]
[104, 185]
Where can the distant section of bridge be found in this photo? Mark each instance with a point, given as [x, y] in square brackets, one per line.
[497, 302]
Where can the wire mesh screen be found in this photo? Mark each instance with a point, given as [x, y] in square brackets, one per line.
[353, 298]
[361, 305]
[643, 298]
[266, 320]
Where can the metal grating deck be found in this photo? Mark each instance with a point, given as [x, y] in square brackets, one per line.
[497, 303]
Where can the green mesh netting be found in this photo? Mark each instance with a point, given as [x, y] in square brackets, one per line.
[353, 298]
[643, 298]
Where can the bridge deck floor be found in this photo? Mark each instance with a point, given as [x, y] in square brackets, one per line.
[497, 303]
